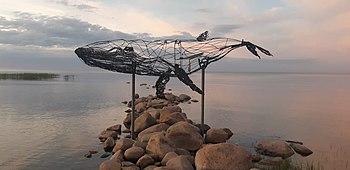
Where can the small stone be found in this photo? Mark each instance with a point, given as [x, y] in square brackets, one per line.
[125, 102]
[301, 149]
[118, 156]
[205, 126]
[216, 135]
[127, 164]
[107, 133]
[181, 151]
[142, 145]
[108, 144]
[93, 152]
[150, 167]
[179, 163]
[105, 155]
[88, 155]
[128, 111]
[184, 97]
[194, 100]
[144, 121]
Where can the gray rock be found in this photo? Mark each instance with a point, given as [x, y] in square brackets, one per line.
[159, 145]
[223, 156]
[184, 97]
[144, 161]
[134, 153]
[105, 155]
[274, 148]
[123, 144]
[179, 163]
[184, 135]
[144, 121]
[110, 165]
[301, 149]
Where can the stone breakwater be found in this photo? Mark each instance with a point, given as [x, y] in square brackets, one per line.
[168, 139]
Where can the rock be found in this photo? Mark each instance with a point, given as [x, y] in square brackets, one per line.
[110, 165]
[125, 102]
[256, 158]
[167, 157]
[107, 133]
[181, 151]
[301, 149]
[93, 152]
[158, 103]
[150, 167]
[127, 164]
[127, 121]
[155, 128]
[184, 135]
[117, 128]
[108, 144]
[155, 113]
[206, 127]
[128, 111]
[140, 107]
[144, 161]
[140, 144]
[144, 121]
[88, 155]
[194, 100]
[134, 153]
[123, 144]
[146, 137]
[275, 161]
[118, 156]
[184, 97]
[223, 156]
[229, 133]
[131, 168]
[162, 168]
[179, 163]
[274, 148]
[105, 155]
[171, 97]
[158, 144]
[216, 135]
[137, 96]
[172, 118]
[170, 109]
[190, 158]
[143, 84]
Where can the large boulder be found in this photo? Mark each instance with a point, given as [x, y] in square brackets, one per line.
[140, 107]
[159, 145]
[218, 135]
[155, 113]
[118, 156]
[179, 163]
[110, 165]
[123, 144]
[172, 118]
[155, 128]
[274, 148]
[184, 135]
[144, 121]
[223, 156]
[133, 154]
[301, 149]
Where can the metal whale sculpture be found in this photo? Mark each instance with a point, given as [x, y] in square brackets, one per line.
[165, 58]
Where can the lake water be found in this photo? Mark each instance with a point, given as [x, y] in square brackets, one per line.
[52, 124]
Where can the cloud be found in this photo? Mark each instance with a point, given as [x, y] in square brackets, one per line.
[204, 10]
[224, 29]
[41, 30]
[81, 6]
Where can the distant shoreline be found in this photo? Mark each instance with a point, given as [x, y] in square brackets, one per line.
[32, 76]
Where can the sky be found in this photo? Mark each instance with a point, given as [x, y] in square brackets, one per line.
[303, 35]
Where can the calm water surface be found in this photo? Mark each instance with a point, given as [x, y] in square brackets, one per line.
[52, 124]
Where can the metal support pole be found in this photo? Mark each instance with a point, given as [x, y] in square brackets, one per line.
[133, 101]
[202, 104]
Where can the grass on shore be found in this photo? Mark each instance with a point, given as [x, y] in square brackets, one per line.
[28, 76]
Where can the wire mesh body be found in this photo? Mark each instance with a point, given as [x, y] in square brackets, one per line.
[155, 57]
